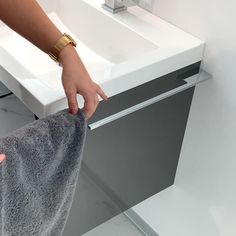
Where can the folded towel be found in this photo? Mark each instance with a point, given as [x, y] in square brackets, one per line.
[39, 175]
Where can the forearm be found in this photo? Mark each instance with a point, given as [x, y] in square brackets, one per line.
[28, 19]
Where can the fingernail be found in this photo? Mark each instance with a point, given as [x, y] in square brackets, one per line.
[73, 111]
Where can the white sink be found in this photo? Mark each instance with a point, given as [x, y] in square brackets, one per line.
[120, 51]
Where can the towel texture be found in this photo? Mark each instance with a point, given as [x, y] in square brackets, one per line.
[39, 175]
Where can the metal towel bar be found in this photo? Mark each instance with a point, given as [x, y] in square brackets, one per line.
[191, 81]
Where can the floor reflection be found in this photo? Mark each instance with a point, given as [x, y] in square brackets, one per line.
[117, 226]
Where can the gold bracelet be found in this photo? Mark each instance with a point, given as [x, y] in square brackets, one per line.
[60, 44]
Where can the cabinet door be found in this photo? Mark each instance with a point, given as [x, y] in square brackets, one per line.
[131, 158]
[136, 156]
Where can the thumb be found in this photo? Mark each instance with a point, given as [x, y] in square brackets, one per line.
[72, 101]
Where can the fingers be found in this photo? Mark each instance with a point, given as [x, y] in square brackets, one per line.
[92, 101]
[90, 105]
[72, 101]
[90, 96]
[2, 157]
[101, 93]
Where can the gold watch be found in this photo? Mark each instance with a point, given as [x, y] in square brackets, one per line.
[60, 44]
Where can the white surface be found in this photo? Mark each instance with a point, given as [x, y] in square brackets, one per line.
[120, 51]
[174, 211]
[203, 199]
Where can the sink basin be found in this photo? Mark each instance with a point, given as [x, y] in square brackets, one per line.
[120, 51]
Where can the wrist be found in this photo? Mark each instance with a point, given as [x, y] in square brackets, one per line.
[67, 54]
[70, 59]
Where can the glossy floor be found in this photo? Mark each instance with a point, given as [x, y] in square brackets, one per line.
[118, 226]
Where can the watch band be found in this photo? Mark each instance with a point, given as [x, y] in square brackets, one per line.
[60, 44]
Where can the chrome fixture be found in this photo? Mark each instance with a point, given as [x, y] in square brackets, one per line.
[190, 82]
[115, 6]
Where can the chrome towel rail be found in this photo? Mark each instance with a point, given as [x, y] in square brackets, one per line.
[191, 81]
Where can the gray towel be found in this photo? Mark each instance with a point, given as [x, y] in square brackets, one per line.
[39, 175]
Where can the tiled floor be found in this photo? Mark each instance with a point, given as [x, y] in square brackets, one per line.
[13, 115]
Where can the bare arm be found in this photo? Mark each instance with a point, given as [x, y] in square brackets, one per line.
[28, 19]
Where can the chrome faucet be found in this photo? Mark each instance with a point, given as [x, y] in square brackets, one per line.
[115, 6]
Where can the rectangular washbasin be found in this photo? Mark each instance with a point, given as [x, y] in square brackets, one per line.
[120, 52]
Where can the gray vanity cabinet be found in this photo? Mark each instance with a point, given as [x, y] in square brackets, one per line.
[135, 156]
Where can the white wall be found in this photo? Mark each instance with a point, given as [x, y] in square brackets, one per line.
[208, 159]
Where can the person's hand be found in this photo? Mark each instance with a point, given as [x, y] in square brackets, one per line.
[75, 79]
[2, 158]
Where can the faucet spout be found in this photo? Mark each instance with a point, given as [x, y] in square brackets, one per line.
[114, 6]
